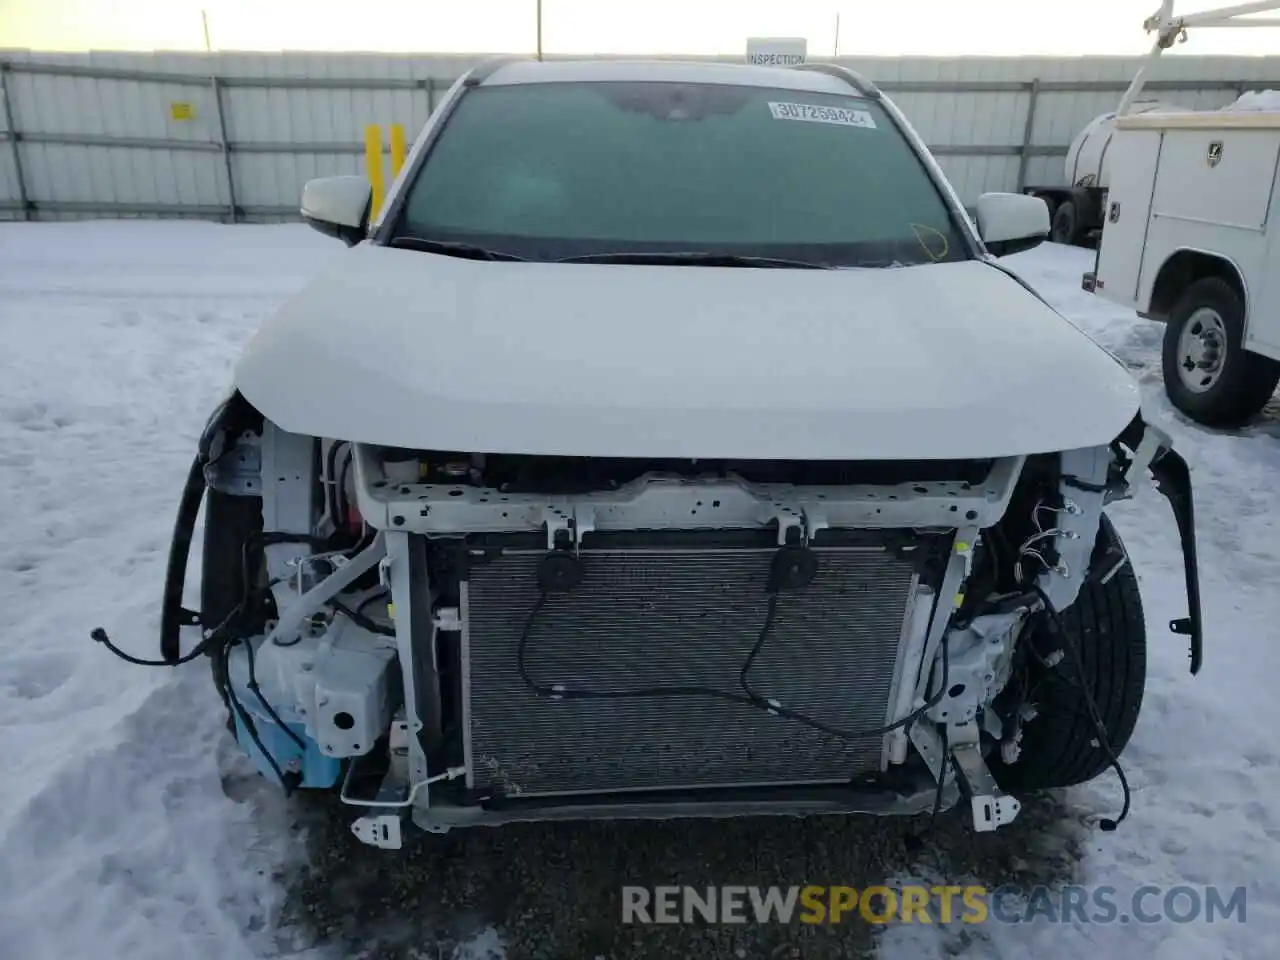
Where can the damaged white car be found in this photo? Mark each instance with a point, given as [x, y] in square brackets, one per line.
[671, 444]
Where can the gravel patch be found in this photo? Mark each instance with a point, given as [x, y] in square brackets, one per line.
[554, 890]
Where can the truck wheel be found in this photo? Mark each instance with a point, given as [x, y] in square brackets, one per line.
[1059, 746]
[1208, 374]
[1050, 201]
[1065, 227]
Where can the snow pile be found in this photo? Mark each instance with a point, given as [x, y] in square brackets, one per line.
[130, 826]
[1267, 100]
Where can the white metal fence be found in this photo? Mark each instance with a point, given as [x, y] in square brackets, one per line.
[235, 136]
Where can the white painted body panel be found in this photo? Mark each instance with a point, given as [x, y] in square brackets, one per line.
[1088, 158]
[666, 71]
[417, 350]
[1171, 199]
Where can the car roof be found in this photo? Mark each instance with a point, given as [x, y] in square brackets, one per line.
[669, 71]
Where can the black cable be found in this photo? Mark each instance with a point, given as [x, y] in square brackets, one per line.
[748, 698]
[252, 684]
[1088, 486]
[210, 640]
[1091, 705]
[360, 619]
[807, 721]
[559, 693]
[340, 493]
[942, 767]
[287, 783]
[372, 598]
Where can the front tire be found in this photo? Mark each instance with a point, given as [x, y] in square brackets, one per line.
[230, 524]
[1059, 746]
[1208, 374]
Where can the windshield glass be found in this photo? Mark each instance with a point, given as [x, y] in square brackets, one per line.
[556, 170]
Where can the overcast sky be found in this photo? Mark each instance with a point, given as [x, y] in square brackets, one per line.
[885, 27]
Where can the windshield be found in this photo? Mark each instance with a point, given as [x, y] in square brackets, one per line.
[575, 170]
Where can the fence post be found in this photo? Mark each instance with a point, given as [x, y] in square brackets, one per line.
[397, 149]
[24, 205]
[216, 86]
[1024, 155]
[373, 167]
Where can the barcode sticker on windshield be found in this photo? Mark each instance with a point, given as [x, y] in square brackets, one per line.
[817, 114]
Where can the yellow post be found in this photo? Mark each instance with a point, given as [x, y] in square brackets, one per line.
[373, 166]
[397, 149]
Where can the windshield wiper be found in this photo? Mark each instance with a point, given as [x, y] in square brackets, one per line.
[450, 248]
[696, 259]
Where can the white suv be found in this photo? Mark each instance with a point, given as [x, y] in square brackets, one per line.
[671, 445]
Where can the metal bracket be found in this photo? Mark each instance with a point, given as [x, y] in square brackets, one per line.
[1083, 490]
[571, 522]
[806, 520]
[557, 522]
[382, 831]
[1153, 441]
[1173, 480]
[991, 808]
[915, 631]
[949, 599]
[979, 659]
[659, 501]
[447, 620]
[295, 614]
[814, 521]
[584, 521]
[237, 469]
[929, 745]
[789, 519]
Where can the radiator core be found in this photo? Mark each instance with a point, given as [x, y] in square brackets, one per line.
[678, 617]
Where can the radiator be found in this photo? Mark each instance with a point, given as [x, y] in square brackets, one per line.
[655, 617]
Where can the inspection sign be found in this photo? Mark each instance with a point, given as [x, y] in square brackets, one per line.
[776, 51]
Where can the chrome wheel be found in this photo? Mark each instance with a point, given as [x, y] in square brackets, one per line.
[1202, 350]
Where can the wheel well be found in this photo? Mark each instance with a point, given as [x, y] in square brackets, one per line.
[1183, 269]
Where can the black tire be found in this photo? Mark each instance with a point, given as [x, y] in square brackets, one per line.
[1244, 381]
[229, 522]
[1065, 225]
[1059, 745]
[1050, 201]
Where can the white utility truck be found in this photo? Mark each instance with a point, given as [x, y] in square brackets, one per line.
[1078, 205]
[1190, 239]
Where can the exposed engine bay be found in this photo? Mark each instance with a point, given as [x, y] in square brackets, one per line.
[470, 638]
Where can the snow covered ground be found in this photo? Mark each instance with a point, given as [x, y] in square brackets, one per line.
[129, 828]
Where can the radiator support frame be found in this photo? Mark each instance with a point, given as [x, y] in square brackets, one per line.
[674, 505]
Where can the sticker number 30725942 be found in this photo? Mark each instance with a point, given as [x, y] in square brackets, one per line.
[819, 114]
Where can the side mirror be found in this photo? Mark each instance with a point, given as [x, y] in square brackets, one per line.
[1011, 222]
[338, 207]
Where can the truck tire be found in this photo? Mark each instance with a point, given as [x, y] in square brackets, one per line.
[1065, 226]
[1059, 746]
[1208, 374]
[1050, 201]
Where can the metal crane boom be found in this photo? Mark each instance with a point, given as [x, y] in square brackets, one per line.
[1170, 29]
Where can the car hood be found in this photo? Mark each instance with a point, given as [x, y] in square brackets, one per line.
[941, 361]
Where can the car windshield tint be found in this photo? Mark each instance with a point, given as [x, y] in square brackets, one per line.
[574, 170]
